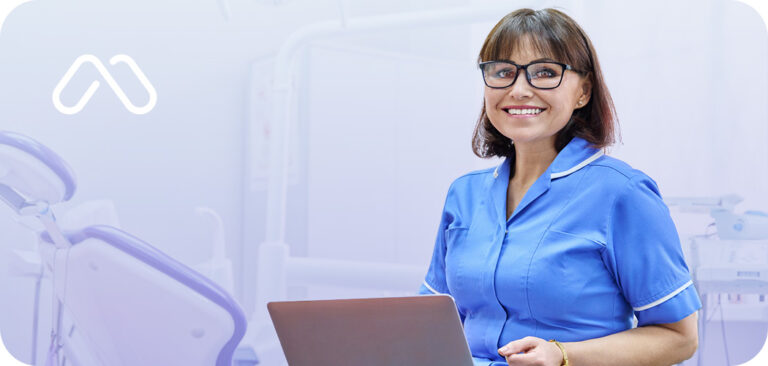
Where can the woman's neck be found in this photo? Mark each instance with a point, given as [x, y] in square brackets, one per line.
[531, 160]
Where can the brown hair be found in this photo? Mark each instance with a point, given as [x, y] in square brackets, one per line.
[554, 34]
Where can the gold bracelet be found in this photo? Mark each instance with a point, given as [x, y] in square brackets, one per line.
[562, 349]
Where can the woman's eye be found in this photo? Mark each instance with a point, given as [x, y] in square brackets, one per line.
[544, 73]
[504, 73]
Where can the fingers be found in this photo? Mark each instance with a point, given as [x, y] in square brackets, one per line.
[531, 351]
[522, 359]
[520, 345]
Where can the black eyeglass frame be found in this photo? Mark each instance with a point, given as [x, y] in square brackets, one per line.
[527, 75]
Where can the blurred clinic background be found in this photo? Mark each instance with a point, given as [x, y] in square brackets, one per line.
[302, 149]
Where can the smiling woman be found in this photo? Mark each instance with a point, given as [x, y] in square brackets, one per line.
[556, 243]
[526, 33]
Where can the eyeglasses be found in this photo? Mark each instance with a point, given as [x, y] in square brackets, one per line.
[540, 74]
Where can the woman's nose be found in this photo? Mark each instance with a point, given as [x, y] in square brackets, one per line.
[520, 88]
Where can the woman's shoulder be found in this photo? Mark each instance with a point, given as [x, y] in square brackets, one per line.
[618, 171]
[466, 191]
[617, 176]
[476, 175]
[473, 181]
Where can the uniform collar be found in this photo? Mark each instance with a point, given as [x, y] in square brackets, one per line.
[574, 156]
[577, 154]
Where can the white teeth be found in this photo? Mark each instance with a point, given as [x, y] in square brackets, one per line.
[523, 111]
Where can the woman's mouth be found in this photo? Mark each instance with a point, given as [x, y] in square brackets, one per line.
[524, 112]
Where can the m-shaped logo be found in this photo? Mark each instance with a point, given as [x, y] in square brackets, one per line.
[110, 81]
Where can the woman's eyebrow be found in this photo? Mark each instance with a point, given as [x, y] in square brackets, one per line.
[546, 59]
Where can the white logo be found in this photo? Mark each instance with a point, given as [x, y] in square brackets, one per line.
[110, 81]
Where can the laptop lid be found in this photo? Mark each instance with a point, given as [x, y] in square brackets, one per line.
[389, 331]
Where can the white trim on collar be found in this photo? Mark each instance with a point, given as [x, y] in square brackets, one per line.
[562, 174]
[579, 166]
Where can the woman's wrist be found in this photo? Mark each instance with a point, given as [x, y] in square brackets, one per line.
[573, 349]
[564, 360]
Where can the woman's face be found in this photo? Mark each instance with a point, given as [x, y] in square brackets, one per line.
[556, 105]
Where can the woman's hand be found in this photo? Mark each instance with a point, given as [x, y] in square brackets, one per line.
[535, 351]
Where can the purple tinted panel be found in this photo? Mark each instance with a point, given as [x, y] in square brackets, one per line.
[44, 154]
[148, 254]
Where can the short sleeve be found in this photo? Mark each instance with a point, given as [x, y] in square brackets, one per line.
[646, 256]
[435, 280]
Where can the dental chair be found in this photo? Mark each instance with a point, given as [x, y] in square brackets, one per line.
[116, 300]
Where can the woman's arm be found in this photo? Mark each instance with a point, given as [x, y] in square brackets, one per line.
[660, 344]
[651, 345]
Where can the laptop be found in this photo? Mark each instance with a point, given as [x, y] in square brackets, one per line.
[390, 331]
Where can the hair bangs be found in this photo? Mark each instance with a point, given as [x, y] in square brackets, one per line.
[519, 33]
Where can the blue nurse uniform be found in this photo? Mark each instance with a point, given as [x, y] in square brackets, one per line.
[590, 245]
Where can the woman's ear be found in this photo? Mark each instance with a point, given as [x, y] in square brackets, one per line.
[586, 92]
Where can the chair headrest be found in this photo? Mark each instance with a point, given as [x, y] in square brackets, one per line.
[33, 170]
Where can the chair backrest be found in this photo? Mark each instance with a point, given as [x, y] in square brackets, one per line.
[133, 305]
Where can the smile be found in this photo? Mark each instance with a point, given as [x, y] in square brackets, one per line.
[524, 112]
